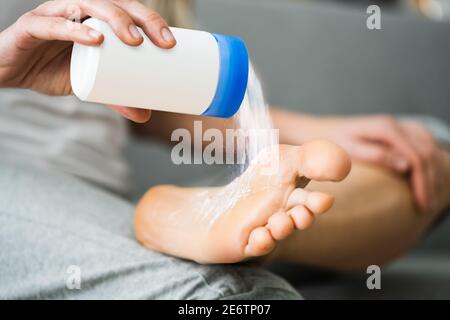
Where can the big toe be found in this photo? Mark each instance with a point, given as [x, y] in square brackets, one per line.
[322, 160]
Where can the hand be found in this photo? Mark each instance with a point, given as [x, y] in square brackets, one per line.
[405, 147]
[35, 51]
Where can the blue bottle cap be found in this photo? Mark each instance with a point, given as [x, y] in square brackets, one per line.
[233, 77]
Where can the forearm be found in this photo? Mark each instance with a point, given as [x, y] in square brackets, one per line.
[292, 126]
[162, 124]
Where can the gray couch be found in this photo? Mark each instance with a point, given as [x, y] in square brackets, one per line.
[320, 58]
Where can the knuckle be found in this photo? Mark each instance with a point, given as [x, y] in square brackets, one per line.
[118, 14]
[72, 26]
[52, 27]
[153, 17]
[73, 12]
[26, 17]
[23, 22]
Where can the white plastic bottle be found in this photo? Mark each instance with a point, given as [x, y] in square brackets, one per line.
[204, 74]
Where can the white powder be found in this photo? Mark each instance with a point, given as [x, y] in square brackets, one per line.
[254, 119]
[255, 128]
[254, 122]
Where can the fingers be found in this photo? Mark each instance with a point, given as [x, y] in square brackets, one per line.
[117, 18]
[380, 155]
[122, 15]
[428, 150]
[388, 131]
[133, 114]
[33, 28]
[151, 22]
[120, 22]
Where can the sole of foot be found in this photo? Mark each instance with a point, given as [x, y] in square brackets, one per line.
[172, 220]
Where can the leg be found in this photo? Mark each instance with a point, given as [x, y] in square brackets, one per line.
[49, 222]
[373, 221]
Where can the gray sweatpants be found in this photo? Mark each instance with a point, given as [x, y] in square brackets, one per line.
[57, 232]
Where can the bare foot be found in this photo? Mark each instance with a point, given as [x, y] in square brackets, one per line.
[213, 225]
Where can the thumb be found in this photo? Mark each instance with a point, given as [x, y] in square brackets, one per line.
[133, 114]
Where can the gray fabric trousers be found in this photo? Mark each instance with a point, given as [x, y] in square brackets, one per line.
[50, 222]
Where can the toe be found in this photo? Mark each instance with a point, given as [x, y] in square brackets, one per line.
[280, 225]
[317, 202]
[260, 242]
[323, 161]
[303, 218]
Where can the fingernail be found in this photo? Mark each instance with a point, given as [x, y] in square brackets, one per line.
[134, 31]
[94, 34]
[167, 34]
